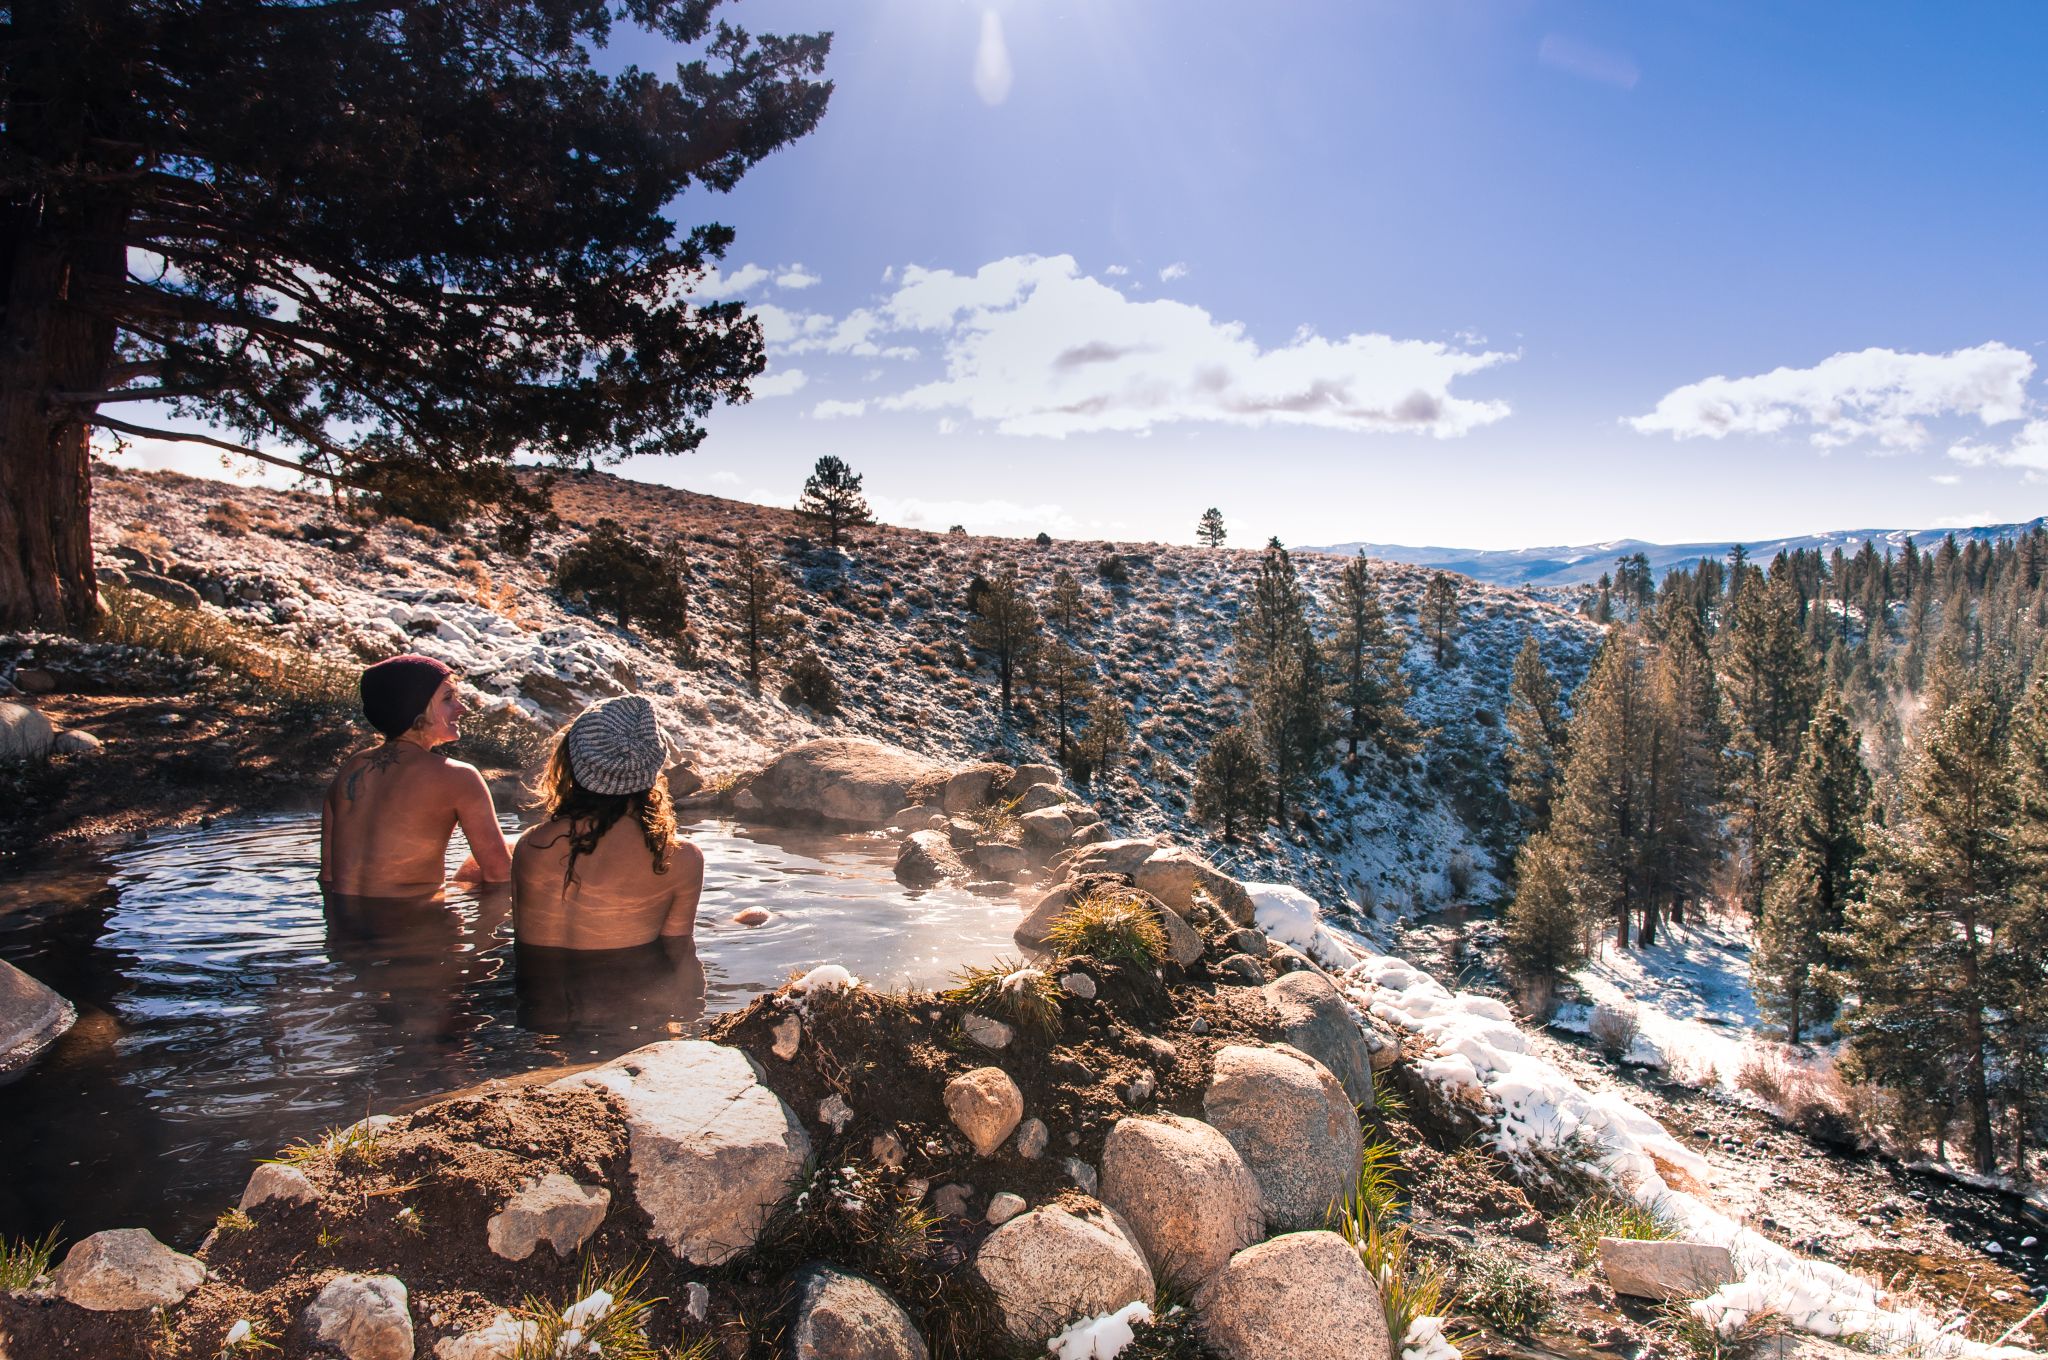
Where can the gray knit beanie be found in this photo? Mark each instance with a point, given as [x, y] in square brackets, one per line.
[615, 747]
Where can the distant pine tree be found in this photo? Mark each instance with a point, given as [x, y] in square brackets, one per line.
[614, 572]
[1601, 820]
[1107, 738]
[1536, 738]
[1006, 626]
[1367, 684]
[1209, 531]
[1545, 934]
[1440, 616]
[760, 618]
[1066, 605]
[1065, 683]
[832, 495]
[1231, 790]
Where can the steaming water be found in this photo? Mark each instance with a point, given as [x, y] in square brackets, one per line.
[224, 1011]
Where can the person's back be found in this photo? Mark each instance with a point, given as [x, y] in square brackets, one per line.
[606, 869]
[388, 816]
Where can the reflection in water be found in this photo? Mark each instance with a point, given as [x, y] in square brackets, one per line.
[226, 1009]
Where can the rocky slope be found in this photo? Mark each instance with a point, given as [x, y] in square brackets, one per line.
[888, 614]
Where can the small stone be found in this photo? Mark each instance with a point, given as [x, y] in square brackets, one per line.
[986, 1105]
[1241, 970]
[1078, 984]
[788, 1032]
[499, 1339]
[553, 1209]
[1162, 1050]
[986, 1031]
[834, 1111]
[123, 1269]
[999, 859]
[1080, 1173]
[842, 1316]
[1004, 1207]
[1032, 1137]
[72, 742]
[272, 1181]
[1200, 1026]
[886, 1149]
[1140, 1090]
[696, 1301]
[951, 1199]
[364, 1317]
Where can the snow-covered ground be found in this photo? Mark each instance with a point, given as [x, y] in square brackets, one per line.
[1475, 1055]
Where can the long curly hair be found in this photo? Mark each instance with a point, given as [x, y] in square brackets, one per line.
[589, 815]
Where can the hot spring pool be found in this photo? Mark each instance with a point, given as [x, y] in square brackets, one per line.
[223, 1011]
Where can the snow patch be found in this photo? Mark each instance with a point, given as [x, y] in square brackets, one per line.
[1100, 1338]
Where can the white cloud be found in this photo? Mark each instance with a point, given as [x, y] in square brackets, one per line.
[1971, 520]
[836, 410]
[992, 73]
[1879, 394]
[1944, 479]
[1176, 270]
[789, 332]
[1117, 271]
[1038, 348]
[2027, 449]
[715, 285]
[783, 382]
[795, 277]
[724, 478]
[1601, 65]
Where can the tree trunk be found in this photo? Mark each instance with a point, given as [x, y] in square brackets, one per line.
[1647, 936]
[46, 572]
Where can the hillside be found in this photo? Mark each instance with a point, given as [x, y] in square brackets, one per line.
[1584, 563]
[888, 616]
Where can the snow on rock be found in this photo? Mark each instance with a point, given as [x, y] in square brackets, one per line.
[1100, 1338]
[1425, 1340]
[826, 977]
[1286, 913]
[1536, 1109]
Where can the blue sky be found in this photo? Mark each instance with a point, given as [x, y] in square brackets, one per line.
[1441, 271]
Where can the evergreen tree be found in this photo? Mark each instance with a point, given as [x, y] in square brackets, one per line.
[1107, 737]
[1065, 684]
[1272, 615]
[398, 245]
[1536, 738]
[1367, 683]
[1440, 616]
[760, 616]
[1919, 948]
[1209, 532]
[1806, 903]
[1601, 819]
[1545, 935]
[1006, 626]
[1066, 605]
[1291, 717]
[1771, 683]
[613, 572]
[1231, 789]
[832, 495]
[2022, 965]
[1682, 790]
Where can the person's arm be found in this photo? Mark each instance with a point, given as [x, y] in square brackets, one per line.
[688, 865]
[490, 857]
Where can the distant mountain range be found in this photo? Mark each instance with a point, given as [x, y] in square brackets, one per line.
[1583, 564]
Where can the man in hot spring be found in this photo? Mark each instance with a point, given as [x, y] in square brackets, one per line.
[385, 824]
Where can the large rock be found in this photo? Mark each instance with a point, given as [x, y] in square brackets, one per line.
[32, 1017]
[1111, 857]
[553, 1209]
[1174, 875]
[365, 1317]
[1315, 1019]
[1183, 946]
[845, 1317]
[125, 1268]
[986, 1105]
[973, 787]
[1038, 798]
[999, 859]
[1664, 1270]
[925, 858]
[1031, 775]
[276, 1181]
[24, 733]
[1054, 1265]
[1293, 1125]
[1047, 826]
[840, 779]
[1301, 1296]
[711, 1146]
[1184, 1190]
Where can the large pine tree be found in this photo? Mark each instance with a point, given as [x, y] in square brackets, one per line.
[1536, 738]
[391, 245]
[1601, 821]
[1822, 828]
